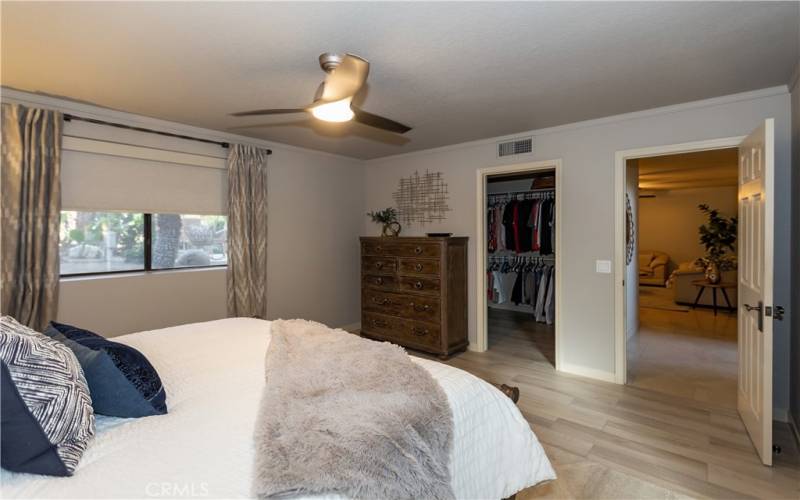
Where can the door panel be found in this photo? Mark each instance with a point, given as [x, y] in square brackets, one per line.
[756, 169]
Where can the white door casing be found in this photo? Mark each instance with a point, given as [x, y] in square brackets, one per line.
[755, 246]
[482, 340]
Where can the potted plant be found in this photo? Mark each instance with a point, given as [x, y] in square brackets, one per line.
[387, 217]
[718, 236]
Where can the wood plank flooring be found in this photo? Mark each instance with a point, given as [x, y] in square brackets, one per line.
[690, 353]
[608, 441]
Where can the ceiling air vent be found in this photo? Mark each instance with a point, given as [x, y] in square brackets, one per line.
[515, 147]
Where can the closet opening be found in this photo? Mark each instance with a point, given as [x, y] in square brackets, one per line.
[518, 261]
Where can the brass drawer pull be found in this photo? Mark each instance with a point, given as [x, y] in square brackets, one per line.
[422, 308]
[382, 302]
[418, 267]
[420, 332]
[379, 281]
[418, 285]
[378, 249]
[379, 265]
[418, 250]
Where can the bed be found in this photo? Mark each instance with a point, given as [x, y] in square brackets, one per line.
[214, 375]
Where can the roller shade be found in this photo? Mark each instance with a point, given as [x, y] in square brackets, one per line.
[111, 169]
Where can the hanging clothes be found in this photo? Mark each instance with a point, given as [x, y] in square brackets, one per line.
[546, 227]
[533, 224]
[525, 233]
[550, 302]
[542, 296]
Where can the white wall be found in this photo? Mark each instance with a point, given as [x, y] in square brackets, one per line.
[632, 269]
[670, 221]
[794, 319]
[588, 151]
[315, 217]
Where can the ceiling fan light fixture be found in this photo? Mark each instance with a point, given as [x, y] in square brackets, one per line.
[336, 111]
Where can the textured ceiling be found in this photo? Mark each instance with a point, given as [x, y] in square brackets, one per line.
[454, 71]
[704, 169]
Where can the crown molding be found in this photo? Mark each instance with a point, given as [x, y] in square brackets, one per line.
[596, 122]
[89, 110]
[795, 78]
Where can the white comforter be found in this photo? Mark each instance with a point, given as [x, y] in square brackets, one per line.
[214, 375]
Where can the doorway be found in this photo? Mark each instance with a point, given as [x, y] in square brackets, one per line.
[755, 261]
[518, 260]
[681, 322]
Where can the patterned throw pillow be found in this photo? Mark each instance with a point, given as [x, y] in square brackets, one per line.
[47, 416]
[122, 381]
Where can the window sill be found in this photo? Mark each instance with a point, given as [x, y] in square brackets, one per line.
[136, 274]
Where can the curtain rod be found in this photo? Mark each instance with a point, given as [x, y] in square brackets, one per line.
[69, 117]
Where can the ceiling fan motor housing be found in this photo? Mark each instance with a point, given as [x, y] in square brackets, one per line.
[329, 61]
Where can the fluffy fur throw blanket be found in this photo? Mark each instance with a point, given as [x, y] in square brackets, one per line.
[349, 416]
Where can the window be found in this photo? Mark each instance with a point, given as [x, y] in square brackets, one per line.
[113, 242]
[189, 240]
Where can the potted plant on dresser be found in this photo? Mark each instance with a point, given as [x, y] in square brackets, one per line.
[387, 217]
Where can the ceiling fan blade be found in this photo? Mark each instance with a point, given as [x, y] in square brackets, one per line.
[346, 80]
[380, 122]
[259, 112]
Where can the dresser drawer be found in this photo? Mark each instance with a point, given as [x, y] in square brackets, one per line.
[378, 247]
[420, 284]
[386, 282]
[420, 249]
[423, 308]
[419, 266]
[393, 304]
[378, 264]
[416, 307]
[401, 330]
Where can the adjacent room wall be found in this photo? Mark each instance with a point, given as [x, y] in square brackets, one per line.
[793, 316]
[669, 222]
[632, 268]
[315, 217]
[588, 151]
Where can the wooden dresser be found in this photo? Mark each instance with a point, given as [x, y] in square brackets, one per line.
[414, 292]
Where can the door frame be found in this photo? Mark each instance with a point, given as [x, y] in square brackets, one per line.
[482, 334]
[620, 174]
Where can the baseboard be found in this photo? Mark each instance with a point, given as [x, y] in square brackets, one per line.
[795, 429]
[587, 372]
[780, 415]
[352, 327]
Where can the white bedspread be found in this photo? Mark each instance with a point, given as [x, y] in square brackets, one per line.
[214, 375]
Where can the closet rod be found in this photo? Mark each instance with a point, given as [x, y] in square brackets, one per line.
[506, 193]
[69, 117]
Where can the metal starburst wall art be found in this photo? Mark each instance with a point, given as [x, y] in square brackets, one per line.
[422, 198]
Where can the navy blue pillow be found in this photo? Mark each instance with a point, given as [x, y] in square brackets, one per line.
[121, 380]
[25, 445]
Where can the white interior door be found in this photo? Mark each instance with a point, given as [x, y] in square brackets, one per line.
[756, 210]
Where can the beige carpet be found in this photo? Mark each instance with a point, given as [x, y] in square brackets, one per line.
[654, 297]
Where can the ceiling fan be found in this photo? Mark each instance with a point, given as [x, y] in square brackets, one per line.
[333, 101]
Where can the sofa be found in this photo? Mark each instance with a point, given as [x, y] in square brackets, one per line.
[653, 267]
[684, 292]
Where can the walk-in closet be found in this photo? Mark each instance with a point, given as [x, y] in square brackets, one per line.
[520, 267]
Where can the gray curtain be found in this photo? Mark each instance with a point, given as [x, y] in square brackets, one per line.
[247, 231]
[30, 206]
